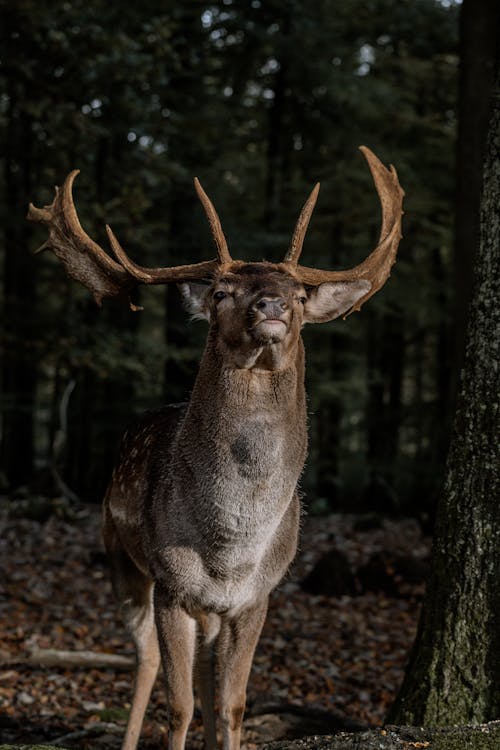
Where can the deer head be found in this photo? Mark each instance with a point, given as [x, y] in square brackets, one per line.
[251, 305]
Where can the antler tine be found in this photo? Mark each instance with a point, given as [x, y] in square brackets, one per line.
[376, 268]
[299, 233]
[144, 275]
[215, 225]
[82, 258]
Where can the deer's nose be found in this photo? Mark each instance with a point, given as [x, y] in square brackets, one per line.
[272, 307]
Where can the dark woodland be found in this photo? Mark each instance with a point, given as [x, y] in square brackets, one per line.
[142, 101]
[260, 100]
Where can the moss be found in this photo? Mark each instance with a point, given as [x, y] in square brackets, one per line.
[483, 737]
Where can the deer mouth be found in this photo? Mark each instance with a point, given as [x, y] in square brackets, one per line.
[270, 330]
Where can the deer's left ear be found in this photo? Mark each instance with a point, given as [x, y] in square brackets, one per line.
[333, 298]
[195, 300]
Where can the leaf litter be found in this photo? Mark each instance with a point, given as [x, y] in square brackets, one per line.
[322, 663]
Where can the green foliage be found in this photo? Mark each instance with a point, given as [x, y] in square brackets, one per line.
[260, 100]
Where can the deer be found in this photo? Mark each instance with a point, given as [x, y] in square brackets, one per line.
[201, 516]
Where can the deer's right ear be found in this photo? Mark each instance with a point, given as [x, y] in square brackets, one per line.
[195, 300]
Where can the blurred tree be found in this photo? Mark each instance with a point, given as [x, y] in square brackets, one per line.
[19, 375]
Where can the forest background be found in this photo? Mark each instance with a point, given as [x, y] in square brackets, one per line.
[259, 99]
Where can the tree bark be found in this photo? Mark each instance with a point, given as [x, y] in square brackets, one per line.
[479, 35]
[485, 737]
[453, 674]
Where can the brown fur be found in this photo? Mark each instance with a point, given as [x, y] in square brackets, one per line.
[203, 508]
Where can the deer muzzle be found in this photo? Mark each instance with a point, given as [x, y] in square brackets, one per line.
[272, 308]
[271, 319]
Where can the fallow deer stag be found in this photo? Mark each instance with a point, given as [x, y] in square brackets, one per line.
[201, 516]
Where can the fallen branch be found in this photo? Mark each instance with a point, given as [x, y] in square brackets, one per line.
[97, 728]
[51, 657]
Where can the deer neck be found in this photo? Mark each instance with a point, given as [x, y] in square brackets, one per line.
[243, 442]
[224, 395]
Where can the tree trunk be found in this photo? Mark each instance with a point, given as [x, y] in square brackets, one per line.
[453, 674]
[385, 359]
[479, 34]
[328, 434]
[277, 153]
[19, 366]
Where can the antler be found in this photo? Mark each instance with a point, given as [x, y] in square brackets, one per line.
[299, 233]
[82, 258]
[85, 261]
[142, 275]
[215, 225]
[376, 268]
[179, 273]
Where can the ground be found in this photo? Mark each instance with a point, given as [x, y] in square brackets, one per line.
[323, 663]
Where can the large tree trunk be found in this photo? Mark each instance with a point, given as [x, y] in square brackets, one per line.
[453, 675]
[479, 34]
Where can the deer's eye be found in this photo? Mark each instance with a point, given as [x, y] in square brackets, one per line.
[219, 295]
[303, 300]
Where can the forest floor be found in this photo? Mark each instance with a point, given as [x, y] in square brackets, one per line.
[323, 663]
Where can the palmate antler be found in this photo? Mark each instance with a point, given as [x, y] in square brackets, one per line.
[88, 263]
[82, 258]
[85, 261]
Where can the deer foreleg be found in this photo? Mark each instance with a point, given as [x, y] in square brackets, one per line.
[177, 638]
[148, 661]
[238, 639]
[134, 591]
[209, 628]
